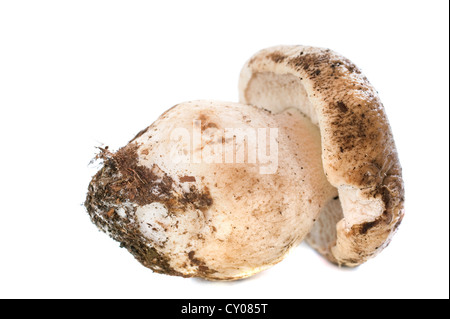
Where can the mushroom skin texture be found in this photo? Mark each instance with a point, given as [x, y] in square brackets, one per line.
[200, 217]
[358, 150]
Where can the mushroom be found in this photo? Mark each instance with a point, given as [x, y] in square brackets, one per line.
[223, 190]
[224, 207]
[358, 151]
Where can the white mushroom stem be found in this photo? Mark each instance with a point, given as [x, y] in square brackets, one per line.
[209, 208]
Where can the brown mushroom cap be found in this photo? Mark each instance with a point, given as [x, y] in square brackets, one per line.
[358, 151]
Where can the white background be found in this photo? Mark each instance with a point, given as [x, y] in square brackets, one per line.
[76, 74]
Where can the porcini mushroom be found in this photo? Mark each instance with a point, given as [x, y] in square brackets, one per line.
[222, 190]
[358, 151]
[192, 208]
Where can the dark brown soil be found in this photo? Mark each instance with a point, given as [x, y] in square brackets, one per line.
[124, 184]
